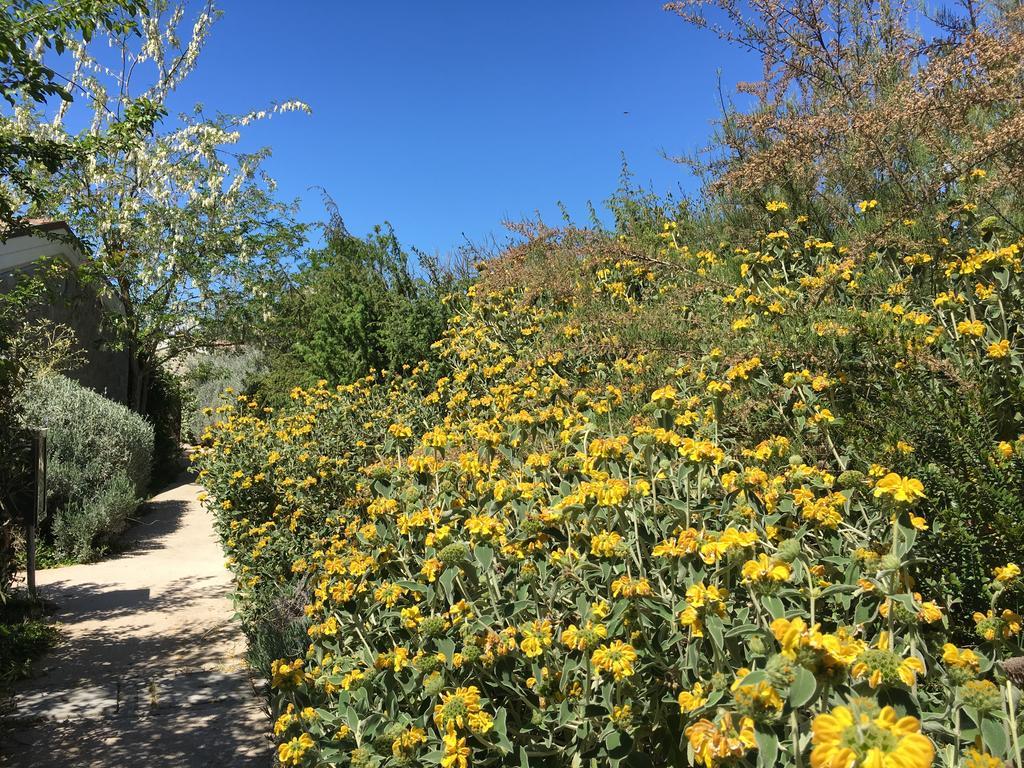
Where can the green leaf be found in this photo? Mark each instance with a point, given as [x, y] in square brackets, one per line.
[767, 746]
[618, 744]
[447, 647]
[741, 630]
[802, 689]
[829, 591]
[564, 712]
[446, 579]
[484, 556]
[994, 736]
[501, 731]
[715, 627]
[352, 718]
[412, 586]
[774, 606]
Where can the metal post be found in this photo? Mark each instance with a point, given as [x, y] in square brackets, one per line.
[38, 508]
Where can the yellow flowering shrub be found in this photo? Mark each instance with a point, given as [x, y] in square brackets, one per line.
[577, 539]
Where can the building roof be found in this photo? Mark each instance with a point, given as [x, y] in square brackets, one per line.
[43, 240]
[47, 239]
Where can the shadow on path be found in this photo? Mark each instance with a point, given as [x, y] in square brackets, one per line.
[200, 737]
[158, 519]
[149, 672]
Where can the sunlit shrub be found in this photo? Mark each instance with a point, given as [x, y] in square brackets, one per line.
[580, 536]
[99, 458]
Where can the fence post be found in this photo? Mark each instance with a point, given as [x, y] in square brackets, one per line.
[38, 507]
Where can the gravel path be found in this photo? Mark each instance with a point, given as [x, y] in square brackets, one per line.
[149, 672]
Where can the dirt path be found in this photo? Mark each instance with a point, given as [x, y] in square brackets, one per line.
[149, 672]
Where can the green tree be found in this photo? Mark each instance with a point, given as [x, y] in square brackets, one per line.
[356, 306]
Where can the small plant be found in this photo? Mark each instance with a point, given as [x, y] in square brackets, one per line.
[24, 636]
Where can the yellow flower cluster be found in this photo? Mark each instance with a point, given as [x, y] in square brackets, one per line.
[527, 546]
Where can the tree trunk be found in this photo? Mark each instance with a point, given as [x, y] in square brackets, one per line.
[138, 379]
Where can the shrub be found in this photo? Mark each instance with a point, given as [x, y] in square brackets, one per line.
[883, 104]
[98, 464]
[668, 510]
[275, 624]
[85, 527]
[28, 346]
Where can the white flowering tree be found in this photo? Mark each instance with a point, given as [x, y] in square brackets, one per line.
[29, 29]
[184, 227]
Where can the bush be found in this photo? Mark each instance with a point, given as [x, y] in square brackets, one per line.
[275, 624]
[98, 465]
[672, 508]
[877, 105]
[85, 528]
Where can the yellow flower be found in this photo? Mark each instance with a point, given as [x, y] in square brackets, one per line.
[866, 205]
[776, 205]
[285, 674]
[881, 665]
[998, 349]
[834, 651]
[824, 415]
[989, 626]
[285, 721]
[962, 658]
[976, 759]
[292, 752]
[616, 657]
[971, 328]
[758, 699]
[461, 709]
[907, 490]
[693, 699]
[664, 396]
[584, 639]
[456, 751]
[929, 612]
[624, 586]
[844, 739]
[1008, 572]
[716, 743]
[399, 430]
[407, 742]
[605, 544]
[536, 637]
[764, 569]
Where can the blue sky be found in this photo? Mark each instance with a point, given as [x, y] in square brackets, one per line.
[446, 117]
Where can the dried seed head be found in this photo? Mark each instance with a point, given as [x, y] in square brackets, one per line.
[1014, 669]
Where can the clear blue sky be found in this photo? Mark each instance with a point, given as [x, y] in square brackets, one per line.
[446, 117]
